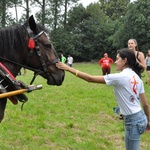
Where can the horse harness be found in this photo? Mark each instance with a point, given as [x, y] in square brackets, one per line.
[33, 44]
[8, 81]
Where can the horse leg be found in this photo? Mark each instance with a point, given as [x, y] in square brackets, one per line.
[3, 103]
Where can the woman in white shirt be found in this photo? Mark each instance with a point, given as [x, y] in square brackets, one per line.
[129, 92]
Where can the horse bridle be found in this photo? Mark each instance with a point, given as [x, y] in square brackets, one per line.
[37, 49]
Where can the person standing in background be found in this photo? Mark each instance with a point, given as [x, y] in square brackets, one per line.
[132, 45]
[24, 71]
[70, 60]
[105, 63]
[63, 58]
[148, 66]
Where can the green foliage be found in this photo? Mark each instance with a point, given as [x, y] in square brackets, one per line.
[137, 24]
[62, 41]
[114, 9]
[87, 30]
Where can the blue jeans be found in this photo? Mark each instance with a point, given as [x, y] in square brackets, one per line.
[135, 125]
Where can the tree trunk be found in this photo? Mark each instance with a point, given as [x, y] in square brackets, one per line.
[65, 13]
[3, 13]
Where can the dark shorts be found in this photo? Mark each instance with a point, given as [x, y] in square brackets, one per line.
[106, 71]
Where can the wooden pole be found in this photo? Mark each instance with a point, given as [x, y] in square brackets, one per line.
[12, 93]
[17, 92]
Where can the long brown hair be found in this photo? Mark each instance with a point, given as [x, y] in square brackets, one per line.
[131, 60]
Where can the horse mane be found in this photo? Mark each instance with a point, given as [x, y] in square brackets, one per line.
[13, 39]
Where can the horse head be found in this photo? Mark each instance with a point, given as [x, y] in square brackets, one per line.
[42, 56]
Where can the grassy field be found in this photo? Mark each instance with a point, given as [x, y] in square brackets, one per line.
[75, 116]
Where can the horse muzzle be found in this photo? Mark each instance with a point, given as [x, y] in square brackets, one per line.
[56, 79]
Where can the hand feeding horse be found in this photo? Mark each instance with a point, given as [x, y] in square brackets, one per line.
[28, 46]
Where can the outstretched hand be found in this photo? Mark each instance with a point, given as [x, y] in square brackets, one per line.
[62, 66]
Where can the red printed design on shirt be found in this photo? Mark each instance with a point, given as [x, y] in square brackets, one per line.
[132, 99]
[134, 84]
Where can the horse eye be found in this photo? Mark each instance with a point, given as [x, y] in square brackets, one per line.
[47, 45]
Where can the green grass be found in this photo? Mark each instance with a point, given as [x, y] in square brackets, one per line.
[75, 116]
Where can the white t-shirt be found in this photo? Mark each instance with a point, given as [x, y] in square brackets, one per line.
[147, 61]
[127, 87]
[70, 60]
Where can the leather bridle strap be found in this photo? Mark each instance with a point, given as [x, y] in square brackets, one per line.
[41, 57]
[18, 64]
[44, 64]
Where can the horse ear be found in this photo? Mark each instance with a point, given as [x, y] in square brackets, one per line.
[32, 24]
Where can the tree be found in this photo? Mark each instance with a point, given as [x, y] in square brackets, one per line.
[114, 9]
[40, 14]
[88, 30]
[66, 5]
[3, 4]
[136, 25]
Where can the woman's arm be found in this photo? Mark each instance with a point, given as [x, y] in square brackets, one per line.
[146, 109]
[142, 60]
[82, 75]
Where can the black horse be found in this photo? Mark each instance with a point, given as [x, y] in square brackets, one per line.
[28, 46]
